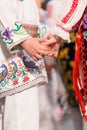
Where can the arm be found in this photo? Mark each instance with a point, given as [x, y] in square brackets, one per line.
[11, 30]
[15, 36]
[68, 15]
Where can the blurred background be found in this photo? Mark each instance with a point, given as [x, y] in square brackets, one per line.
[59, 108]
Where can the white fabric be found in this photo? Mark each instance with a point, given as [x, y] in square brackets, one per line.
[19, 111]
[62, 9]
[17, 13]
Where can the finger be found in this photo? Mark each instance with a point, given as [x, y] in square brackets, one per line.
[49, 36]
[50, 41]
[55, 54]
[44, 49]
[34, 58]
[50, 54]
[38, 56]
[42, 39]
[44, 52]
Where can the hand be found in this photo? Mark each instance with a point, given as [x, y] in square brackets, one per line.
[54, 39]
[54, 42]
[55, 50]
[34, 47]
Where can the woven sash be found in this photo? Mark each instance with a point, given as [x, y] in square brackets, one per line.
[80, 65]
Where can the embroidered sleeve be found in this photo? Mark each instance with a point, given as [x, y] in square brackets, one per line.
[12, 37]
[11, 30]
[68, 16]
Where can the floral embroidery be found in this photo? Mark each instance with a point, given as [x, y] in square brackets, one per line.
[19, 29]
[26, 78]
[3, 72]
[22, 71]
[13, 72]
[42, 30]
[11, 36]
[85, 35]
[14, 78]
[15, 82]
[7, 35]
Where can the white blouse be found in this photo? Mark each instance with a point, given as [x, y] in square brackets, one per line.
[12, 14]
[68, 14]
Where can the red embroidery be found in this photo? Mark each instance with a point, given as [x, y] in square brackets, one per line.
[62, 28]
[15, 82]
[26, 78]
[73, 8]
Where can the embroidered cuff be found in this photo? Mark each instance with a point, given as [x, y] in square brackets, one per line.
[12, 37]
[61, 33]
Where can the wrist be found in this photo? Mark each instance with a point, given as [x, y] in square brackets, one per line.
[24, 42]
[58, 39]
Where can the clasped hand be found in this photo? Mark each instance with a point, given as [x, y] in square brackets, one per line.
[54, 43]
[39, 47]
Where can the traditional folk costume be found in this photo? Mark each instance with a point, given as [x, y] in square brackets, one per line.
[18, 111]
[65, 62]
[68, 15]
[80, 66]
